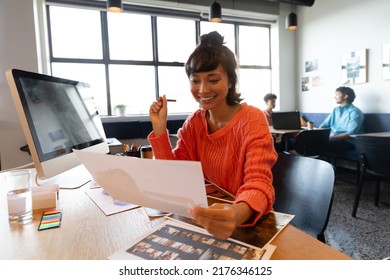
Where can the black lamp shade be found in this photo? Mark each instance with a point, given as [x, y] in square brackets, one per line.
[291, 21]
[215, 13]
[114, 6]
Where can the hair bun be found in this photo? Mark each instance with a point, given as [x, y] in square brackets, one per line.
[212, 39]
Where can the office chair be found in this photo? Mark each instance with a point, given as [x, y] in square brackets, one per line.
[311, 143]
[304, 187]
[374, 154]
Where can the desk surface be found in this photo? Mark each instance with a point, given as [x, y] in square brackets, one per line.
[87, 233]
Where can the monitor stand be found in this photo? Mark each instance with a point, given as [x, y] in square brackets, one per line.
[70, 179]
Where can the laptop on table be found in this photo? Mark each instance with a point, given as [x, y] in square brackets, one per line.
[286, 120]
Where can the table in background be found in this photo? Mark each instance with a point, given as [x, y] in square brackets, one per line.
[287, 133]
[284, 131]
[87, 233]
[379, 134]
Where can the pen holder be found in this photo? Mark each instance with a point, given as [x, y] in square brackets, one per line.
[134, 153]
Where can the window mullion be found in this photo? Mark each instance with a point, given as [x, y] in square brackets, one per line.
[197, 31]
[155, 54]
[106, 57]
[49, 38]
[236, 36]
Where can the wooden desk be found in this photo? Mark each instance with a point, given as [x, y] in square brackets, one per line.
[87, 233]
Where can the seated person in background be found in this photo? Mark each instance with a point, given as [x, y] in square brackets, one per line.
[231, 140]
[344, 121]
[270, 99]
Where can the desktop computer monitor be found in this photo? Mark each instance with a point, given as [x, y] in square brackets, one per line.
[57, 115]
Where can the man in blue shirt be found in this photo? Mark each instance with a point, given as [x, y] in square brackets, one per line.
[344, 121]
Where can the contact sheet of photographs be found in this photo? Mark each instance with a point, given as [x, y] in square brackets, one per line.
[172, 242]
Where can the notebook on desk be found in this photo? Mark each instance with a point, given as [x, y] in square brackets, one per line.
[286, 120]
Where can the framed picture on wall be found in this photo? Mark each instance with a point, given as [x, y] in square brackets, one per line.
[386, 61]
[311, 65]
[305, 83]
[354, 67]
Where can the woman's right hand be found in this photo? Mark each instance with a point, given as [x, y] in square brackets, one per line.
[158, 113]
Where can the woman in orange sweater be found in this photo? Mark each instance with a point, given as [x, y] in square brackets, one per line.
[231, 140]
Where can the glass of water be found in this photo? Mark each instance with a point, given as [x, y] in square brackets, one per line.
[19, 196]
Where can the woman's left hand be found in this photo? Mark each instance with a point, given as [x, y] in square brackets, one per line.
[221, 219]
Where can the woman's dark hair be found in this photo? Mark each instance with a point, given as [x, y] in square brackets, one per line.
[269, 96]
[208, 55]
[347, 91]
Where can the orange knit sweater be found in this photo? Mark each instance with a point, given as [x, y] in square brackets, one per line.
[238, 157]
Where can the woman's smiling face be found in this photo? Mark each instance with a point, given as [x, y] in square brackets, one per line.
[210, 89]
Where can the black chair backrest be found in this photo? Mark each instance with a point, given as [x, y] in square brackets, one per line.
[312, 142]
[375, 151]
[304, 187]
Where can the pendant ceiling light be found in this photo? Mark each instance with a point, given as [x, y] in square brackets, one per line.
[291, 20]
[215, 12]
[114, 6]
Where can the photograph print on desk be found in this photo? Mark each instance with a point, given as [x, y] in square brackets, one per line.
[259, 235]
[215, 192]
[174, 240]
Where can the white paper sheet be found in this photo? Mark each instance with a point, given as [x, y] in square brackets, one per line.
[168, 185]
[108, 204]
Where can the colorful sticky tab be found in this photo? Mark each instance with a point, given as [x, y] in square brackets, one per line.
[50, 219]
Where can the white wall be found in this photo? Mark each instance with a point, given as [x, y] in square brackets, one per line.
[332, 28]
[17, 50]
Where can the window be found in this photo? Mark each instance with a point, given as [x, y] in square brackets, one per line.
[254, 58]
[82, 30]
[129, 37]
[133, 57]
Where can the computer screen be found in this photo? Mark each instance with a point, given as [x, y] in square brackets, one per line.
[57, 115]
[286, 120]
